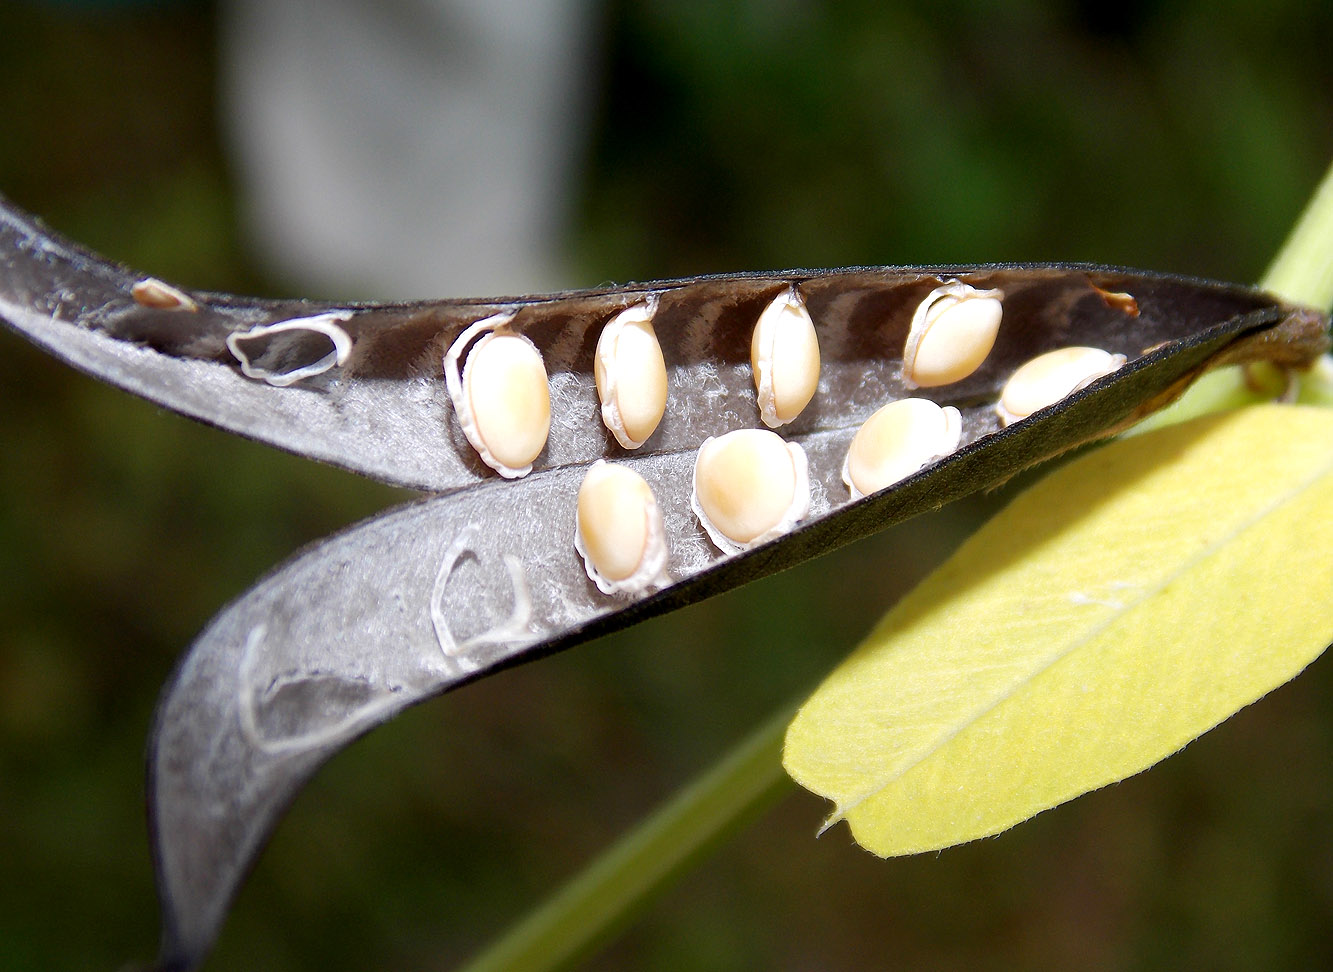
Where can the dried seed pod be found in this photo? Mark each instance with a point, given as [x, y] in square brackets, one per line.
[300, 698]
[619, 531]
[784, 353]
[631, 375]
[1050, 377]
[750, 486]
[901, 438]
[502, 398]
[952, 331]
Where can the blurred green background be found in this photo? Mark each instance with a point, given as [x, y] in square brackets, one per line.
[727, 135]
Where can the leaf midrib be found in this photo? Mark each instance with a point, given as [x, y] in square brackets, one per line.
[1113, 617]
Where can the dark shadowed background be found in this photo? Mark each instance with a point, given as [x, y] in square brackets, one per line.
[719, 136]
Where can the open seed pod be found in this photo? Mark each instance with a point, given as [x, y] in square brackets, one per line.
[383, 615]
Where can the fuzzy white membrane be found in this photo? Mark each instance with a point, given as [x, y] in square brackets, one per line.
[764, 353]
[796, 511]
[937, 305]
[651, 572]
[1053, 377]
[925, 448]
[457, 383]
[325, 324]
[608, 389]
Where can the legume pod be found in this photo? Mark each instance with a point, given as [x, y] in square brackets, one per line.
[485, 573]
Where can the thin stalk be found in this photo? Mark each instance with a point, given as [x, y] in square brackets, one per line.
[606, 895]
[603, 898]
[1302, 272]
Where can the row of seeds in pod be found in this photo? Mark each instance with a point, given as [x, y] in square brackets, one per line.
[503, 404]
[750, 485]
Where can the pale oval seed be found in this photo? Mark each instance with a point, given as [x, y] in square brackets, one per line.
[1050, 377]
[619, 530]
[502, 399]
[784, 355]
[151, 292]
[901, 438]
[507, 389]
[952, 332]
[631, 375]
[750, 486]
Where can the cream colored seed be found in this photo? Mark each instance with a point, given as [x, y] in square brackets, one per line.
[502, 399]
[898, 440]
[1050, 377]
[151, 292]
[952, 332]
[784, 354]
[1118, 300]
[631, 375]
[619, 531]
[749, 487]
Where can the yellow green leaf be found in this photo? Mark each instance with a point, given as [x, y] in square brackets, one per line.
[1123, 606]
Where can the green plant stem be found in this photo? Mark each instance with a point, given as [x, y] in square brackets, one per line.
[587, 910]
[1302, 272]
[605, 896]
